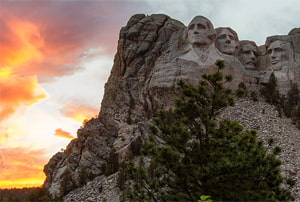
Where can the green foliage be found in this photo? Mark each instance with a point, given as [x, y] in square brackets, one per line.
[25, 194]
[205, 198]
[194, 154]
[288, 105]
[242, 90]
[136, 146]
[112, 164]
[40, 194]
[254, 96]
[270, 91]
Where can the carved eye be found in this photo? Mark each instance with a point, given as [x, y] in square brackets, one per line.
[231, 37]
[223, 36]
[269, 51]
[192, 26]
[278, 50]
[201, 26]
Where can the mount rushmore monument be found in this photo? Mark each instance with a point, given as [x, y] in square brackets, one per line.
[153, 53]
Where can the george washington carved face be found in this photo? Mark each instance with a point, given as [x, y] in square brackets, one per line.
[200, 32]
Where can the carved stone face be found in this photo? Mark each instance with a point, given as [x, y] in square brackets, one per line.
[199, 31]
[248, 56]
[226, 42]
[278, 52]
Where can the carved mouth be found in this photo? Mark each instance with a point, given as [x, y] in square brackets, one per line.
[273, 62]
[197, 37]
[250, 63]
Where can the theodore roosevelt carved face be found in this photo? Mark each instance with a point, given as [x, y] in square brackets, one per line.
[248, 54]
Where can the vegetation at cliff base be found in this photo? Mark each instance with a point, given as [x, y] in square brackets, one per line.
[288, 105]
[191, 154]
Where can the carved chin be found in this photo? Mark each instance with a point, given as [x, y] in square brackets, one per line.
[250, 65]
[276, 66]
[228, 50]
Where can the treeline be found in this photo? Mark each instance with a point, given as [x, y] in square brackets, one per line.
[15, 194]
[33, 194]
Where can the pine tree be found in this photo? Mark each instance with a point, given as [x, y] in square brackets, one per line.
[270, 91]
[193, 154]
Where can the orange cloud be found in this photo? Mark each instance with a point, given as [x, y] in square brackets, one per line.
[17, 91]
[26, 50]
[61, 133]
[79, 113]
[21, 43]
[21, 167]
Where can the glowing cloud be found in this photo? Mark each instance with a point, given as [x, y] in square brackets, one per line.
[17, 91]
[21, 167]
[21, 43]
[61, 133]
[79, 113]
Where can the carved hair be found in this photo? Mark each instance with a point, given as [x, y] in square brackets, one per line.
[211, 31]
[220, 29]
[244, 42]
[295, 31]
[283, 39]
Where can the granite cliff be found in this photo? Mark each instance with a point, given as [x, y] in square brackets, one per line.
[153, 53]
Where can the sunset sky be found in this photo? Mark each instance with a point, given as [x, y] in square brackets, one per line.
[56, 55]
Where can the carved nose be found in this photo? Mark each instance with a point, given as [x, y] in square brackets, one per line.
[228, 40]
[272, 54]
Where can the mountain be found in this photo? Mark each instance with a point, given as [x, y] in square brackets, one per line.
[153, 53]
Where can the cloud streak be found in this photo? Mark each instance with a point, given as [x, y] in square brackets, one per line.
[21, 167]
[61, 133]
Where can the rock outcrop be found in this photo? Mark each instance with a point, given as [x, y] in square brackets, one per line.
[153, 53]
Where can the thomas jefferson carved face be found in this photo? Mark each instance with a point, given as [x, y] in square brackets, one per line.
[278, 52]
[248, 55]
[200, 32]
[227, 41]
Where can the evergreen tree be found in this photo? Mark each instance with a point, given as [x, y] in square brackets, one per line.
[192, 154]
[293, 95]
[270, 91]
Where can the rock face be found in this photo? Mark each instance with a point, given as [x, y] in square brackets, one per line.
[153, 53]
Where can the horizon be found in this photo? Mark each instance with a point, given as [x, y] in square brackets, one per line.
[56, 56]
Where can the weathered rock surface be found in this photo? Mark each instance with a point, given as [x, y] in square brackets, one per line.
[260, 116]
[153, 53]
